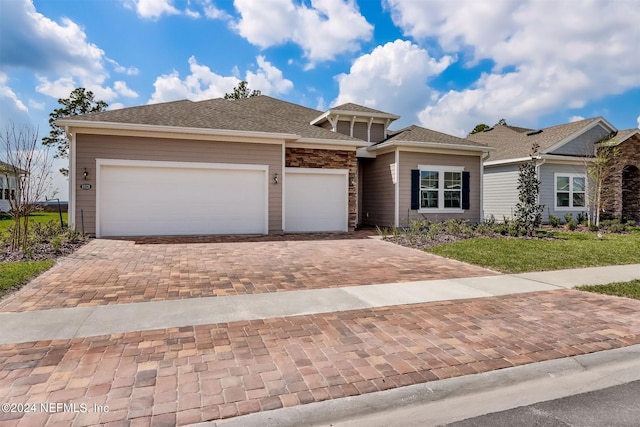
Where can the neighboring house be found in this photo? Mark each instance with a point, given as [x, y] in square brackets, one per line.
[261, 165]
[562, 159]
[8, 185]
[622, 189]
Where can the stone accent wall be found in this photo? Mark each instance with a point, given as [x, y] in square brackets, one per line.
[629, 156]
[329, 159]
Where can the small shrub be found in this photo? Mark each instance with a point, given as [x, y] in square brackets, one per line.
[593, 227]
[572, 225]
[582, 218]
[554, 221]
[568, 218]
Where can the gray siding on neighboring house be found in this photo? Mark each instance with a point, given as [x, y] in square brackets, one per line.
[378, 192]
[583, 144]
[547, 188]
[92, 147]
[500, 191]
[411, 160]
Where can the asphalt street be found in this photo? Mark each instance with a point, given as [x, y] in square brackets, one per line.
[617, 406]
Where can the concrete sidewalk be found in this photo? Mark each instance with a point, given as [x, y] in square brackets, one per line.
[79, 322]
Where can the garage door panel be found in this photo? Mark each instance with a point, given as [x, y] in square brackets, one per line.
[179, 201]
[315, 201]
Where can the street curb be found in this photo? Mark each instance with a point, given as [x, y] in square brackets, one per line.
[455, 399]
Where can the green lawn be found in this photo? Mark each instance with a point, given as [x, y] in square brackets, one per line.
[39, 217]
[16, 274]
[568, 250]
[621, 289]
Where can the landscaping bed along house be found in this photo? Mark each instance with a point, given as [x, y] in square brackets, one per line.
[47, 239]
[501, 246]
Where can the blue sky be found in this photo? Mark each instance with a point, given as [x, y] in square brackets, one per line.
[444, 64]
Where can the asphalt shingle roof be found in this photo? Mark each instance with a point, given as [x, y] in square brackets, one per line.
[359, 108]
[415, 133]
[256, 114]
[512, 142]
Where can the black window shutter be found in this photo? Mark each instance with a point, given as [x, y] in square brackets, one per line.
[415, 189]
[465, 189]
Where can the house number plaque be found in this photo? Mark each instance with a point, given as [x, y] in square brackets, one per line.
[85, 186]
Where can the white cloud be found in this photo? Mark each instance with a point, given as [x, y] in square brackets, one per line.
[203, 83]
[393, 78]
[152, 9]
[638, 122]
[36, 105]
[212, 12]
[575, 118]
[268, 79]
[130, 71]
[11, 107]
[548, 56]
[325, 30]
[121, 88]
[33, 41]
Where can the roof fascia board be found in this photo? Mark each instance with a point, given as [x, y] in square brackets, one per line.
[435, 145]
[131, 127]
[550, 158]
[363, 114]
[600, 121]
[335, 142]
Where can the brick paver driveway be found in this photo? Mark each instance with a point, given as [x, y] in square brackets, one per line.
[178, 376]
[126, 271]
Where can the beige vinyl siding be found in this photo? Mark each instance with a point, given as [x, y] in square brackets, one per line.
[344, 127]
[583, 145]
[377, 132]
[92, 147]
[378, 192]
[500, 191]
[360, 131]
[411, 160]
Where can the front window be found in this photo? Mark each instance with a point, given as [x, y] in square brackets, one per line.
[570, 191]
[440, 188]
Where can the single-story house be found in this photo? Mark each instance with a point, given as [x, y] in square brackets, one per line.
[8, 185]
[261, 165]
[564, 153]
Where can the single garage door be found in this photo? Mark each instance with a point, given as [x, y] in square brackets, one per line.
[177, 198]
[316, 199]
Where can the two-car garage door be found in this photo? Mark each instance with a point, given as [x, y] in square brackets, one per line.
[148, 198]
[154, 198]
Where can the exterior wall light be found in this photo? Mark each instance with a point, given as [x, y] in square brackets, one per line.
[275, 178]
[85, 174]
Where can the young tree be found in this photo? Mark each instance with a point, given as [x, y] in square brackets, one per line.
[80, 101]
[27, 168]
[598, 173]
[242, 91]
[528, 212]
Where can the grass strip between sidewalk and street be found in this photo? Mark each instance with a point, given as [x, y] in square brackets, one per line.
[564, 250]
[16, 274]
[620, 289]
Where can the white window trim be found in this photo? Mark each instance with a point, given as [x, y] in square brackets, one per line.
[441, 170]
[555, 192]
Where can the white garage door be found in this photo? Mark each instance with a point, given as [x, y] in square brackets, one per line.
[316, 199]
[176, 198]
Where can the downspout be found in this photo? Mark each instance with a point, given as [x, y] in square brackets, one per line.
[396, 214]
[72, 178]
[483, 157]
